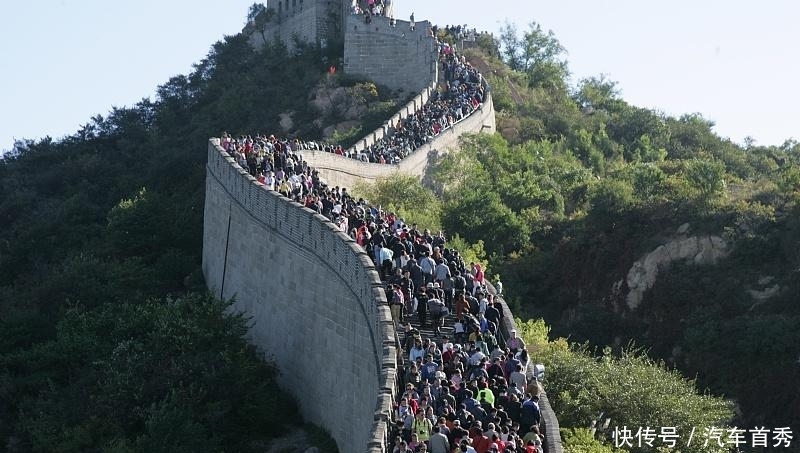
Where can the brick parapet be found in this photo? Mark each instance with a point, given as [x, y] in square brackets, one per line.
[314, 297]
[346, 172]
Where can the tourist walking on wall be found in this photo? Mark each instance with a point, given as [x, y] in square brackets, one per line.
[396, 303]
[439, 442]
[388, 9]
[411, 23]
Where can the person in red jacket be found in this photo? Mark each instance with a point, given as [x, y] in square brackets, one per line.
[480, 442]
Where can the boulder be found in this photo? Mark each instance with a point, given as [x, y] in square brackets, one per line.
[765, 280]
[286, 122]
[699, 250]
[765, 294]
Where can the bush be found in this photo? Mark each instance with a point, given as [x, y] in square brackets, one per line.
[582, 440]
[482, 216]
[406, 196]
[165, 373]
[629, 388]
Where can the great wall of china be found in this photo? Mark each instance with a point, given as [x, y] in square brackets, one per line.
[316, 301]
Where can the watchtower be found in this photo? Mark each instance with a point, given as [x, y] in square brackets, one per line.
[309, 21]
[379, 48]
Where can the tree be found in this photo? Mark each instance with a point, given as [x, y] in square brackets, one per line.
[258, 16]
[541, 58]
[93, 355]
[597, 92]
[167, 372]
[648, 181]
[629, 388]
[536, 53]
[407, 197]
[690, 134]
[482, 216]
[628, 124]
[609, 200]
[256, 9]
[582, 440]
[487, 43]
[707, 177]
[538, 47]
[511, 47]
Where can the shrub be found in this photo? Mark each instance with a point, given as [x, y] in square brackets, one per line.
[629, 388]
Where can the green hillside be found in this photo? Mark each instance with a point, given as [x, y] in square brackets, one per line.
[108, 339]
[579, 184]
[574, 193]
[109, 342]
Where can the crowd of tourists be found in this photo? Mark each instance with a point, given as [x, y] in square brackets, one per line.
[370, 8]
[459, 32]
[461, 92]
[465, 386]
[461, 96]
[458, 397]
[467, 389]
[464, 390]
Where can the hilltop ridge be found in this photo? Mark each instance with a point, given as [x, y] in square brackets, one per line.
[101, 237]
[580, 188]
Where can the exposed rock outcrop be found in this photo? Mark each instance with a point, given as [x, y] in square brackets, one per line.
[286, 121]
[697, 250]
[769, 288]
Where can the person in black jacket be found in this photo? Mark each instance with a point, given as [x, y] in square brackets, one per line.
[422, 307]
[417, 276]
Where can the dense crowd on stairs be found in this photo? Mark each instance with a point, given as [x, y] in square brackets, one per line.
[465, 385]
[460, 93]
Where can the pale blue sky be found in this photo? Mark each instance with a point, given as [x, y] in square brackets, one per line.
[735, 62]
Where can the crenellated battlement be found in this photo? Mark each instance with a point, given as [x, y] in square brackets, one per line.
[392, 55]
[377, 48]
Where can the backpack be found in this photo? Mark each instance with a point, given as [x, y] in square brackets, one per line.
[423, 427]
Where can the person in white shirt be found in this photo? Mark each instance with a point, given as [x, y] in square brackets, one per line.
[476, 357]
[518, 377]
[269, 181]
[483, 303]
[515, 343]
[458, 330]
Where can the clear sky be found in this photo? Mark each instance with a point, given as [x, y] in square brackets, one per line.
[735, 62]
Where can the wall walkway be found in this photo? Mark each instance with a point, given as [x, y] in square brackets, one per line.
[346, 172]
[316, 302]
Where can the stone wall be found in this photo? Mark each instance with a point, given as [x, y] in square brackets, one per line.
[397, 57]
[309, 21]
[320, 292]
[313, 295]
[315, 300]
[549, 423]
[345, 172]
